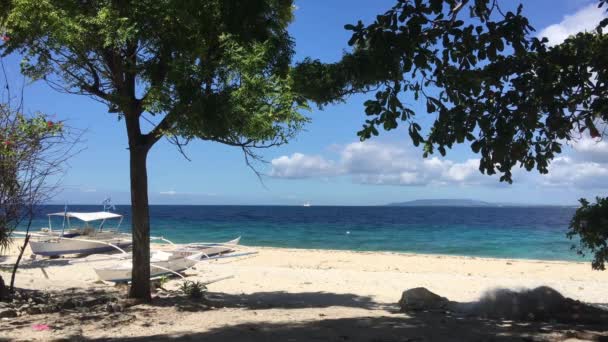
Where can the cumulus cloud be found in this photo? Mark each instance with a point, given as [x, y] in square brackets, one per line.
[591, 149]
[566, 171]
[173, 193]
[585, 19]
[385, 158]
[388, 164]
[380, 164]
[299, 165]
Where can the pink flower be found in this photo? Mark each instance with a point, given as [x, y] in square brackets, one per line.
[5, 38]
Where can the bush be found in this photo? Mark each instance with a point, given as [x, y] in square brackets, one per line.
[590, 223]
[193, 289]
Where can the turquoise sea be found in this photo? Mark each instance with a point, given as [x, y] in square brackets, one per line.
[506, 232]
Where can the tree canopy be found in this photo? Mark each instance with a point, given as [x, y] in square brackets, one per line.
[215, 70]
[482, 74]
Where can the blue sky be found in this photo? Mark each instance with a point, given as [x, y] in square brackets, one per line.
[325, 164]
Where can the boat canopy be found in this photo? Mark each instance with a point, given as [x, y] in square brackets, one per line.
[88, 217]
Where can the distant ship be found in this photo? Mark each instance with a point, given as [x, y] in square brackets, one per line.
[306, 204]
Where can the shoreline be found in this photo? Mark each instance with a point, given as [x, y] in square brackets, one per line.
[404, 253]
[414, 254]
[387, 252]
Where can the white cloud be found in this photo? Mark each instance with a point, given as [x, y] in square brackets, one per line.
[461, 172]
[585, 19]
[381, 164]
[177, 193]
[299, 165]
[590, 149]
[566, 171]
[356, 157]
[586, 166]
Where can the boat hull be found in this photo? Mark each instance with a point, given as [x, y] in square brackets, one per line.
[209, 250]
[63, 246]
[122, 273]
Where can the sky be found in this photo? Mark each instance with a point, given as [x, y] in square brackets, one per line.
[325, 164]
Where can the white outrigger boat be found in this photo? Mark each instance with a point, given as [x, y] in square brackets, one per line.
[164, 262]
[208, 250]
[161, 263]
[81, 240]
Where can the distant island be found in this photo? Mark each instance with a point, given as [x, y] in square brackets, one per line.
[443, 203]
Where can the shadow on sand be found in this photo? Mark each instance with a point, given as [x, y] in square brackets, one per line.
[285, 300]
[424, 326]
[32, 264]
[383, 324]
[438, 325]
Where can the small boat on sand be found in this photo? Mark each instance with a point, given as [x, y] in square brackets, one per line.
[84, 239]
[161, 263]
[209, 250]
[165, 262]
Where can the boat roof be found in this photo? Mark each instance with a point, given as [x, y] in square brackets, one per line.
[87, 217]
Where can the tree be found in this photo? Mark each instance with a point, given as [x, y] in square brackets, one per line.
[216, 70]
[487, 80]
[33, 150]
[590, 223]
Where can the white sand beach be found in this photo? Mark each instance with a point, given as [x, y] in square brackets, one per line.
[303, 295]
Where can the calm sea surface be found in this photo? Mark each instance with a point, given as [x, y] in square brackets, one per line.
[513, 232]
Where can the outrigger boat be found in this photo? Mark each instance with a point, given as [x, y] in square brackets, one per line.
[161, 263]
[85, 239]
[165, 262]
[209, 250]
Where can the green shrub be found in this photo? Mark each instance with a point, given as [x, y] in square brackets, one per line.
[193, 289]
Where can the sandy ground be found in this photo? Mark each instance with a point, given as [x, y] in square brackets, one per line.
[313, 295]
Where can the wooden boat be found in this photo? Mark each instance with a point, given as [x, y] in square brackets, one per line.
[166, 262]
[161, 263]
[209, 250]
[82, 240]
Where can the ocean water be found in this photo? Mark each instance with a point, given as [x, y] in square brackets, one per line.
[504, 232]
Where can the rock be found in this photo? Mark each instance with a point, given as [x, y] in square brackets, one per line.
[48, 308]
[127, 302]
[114, 307]
[92, 301]
[33, 310]
[420, 298]
[68, 304]
[8, 313]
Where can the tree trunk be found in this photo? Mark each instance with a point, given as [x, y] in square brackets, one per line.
[3, 290]
[21, 250]
[140, 215]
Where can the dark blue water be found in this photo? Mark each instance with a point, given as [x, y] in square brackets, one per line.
[533, 233]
